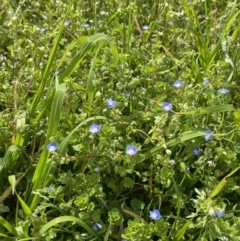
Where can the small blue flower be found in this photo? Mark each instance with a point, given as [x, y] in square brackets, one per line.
[124, 240]
[205, 82]
[178, 83]
[155, 214]
[93, 129]
[219, 213]
[97, 226]
[131, 150]
[97, 169]
[170, 23]
[42, 30]
[86, 25]
[52, 146]
[67, 22]
[80, 82]
[128, 94]
[166, 106]
[171, 162]
[50, 189]
[208, 135]
[196, 151]
[224, 91]
[145, 27]
[111, 103]
[57, 72]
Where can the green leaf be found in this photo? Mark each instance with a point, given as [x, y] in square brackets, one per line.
[136, 204]
[128, 182]
[4, 209]
[42, 170]
[8, 226]
[12, 181]
[189, 135]
[209, 110]
[48, 67]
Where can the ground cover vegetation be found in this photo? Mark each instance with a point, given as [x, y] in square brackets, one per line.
[119, 120]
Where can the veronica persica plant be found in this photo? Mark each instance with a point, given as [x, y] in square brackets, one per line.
[208, 135]
[94, 128]
[111, 103]
[97, 226]
[52, 147]
[155, 214]
[131, 150]
[205, 82]
[178, 83]
[145, 27]
[224, 91]
[167, 106]
[219, 213]
[196, 151]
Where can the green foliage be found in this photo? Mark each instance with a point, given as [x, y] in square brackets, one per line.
[62, 63]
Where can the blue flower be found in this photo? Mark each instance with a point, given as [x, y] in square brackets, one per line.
[196, 151]
[155, 214]
[67, 22]
[145, 27]
[97, 169]
[86, 25]
[50, 189]
[171, 162]
[128, 94]
[205, 82]
[224, 91]
[208, 135]
[131, 150]
[97, 226]
[42, 30]
[219, 213]
[166, 106]
[178, 83]
[124, 240]
[93, 129]
[52, 146]
[111, 103]
[57, 72]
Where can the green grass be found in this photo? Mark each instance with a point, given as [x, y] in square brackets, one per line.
[56, 77]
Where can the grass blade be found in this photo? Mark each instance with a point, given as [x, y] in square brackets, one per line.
[8, 226]
[64, 219]
[48, 66]
[40, 174]
[209, 110]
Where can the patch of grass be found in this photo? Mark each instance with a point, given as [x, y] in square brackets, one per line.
[162, 163]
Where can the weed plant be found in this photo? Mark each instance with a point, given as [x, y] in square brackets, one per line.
[119, 120]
